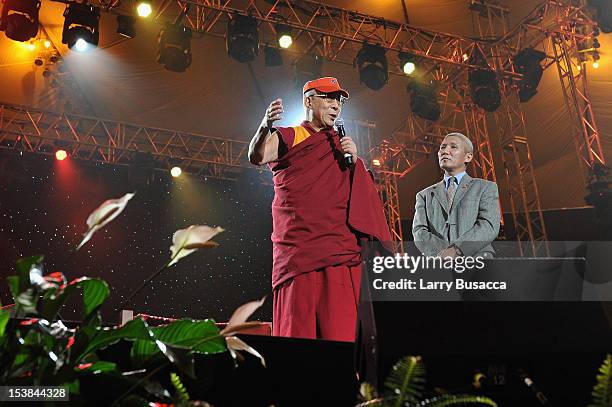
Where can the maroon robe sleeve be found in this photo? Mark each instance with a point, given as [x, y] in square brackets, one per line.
[286, 135]
[366, 212]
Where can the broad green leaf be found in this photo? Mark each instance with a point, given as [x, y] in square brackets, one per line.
[202, 336]
[95, 292]
[4, 318]
[101, 338]
[13, 283]
[23, 271]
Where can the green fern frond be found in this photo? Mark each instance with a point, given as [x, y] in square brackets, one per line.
[602, 391]
[458, 400]
[406, 381]
[179, 387]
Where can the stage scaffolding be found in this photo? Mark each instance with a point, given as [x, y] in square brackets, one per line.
[25, 129]
[113, 142]
[560, 28]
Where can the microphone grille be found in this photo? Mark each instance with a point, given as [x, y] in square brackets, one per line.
[339, 121]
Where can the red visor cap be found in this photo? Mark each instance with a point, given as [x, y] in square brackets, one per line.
[325, 85]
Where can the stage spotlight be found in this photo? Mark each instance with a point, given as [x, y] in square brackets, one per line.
[272, 57]
[144, 9]
[61, 155]
[242, 38]
[527, 63]
[407, 62]
[376, 162]
[283, 34]
[424, 100]
[19, 19]
[484, 89]
[306, 68]
[47, 44]
[126, 26]
[81, 22]
[175, 48]
[176, 172]
[595, 64]
[596, 43]
[372, 65]
[81, 45]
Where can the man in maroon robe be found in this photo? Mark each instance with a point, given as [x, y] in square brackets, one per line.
[321, 207]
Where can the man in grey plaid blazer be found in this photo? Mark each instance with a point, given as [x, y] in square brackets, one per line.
[458, 216]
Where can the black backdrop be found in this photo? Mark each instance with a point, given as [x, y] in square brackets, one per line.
[44, 205]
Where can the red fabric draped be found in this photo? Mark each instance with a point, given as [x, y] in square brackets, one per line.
[310, 210]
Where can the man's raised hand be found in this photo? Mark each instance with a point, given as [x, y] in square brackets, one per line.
[273, 113]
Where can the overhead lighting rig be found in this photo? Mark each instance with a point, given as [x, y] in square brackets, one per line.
[19, 19]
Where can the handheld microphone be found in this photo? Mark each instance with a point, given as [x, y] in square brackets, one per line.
[348, 157]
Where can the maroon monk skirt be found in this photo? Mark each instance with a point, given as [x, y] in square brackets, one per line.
[321, 304]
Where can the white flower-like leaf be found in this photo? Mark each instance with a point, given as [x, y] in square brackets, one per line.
[187, 241]
[103, 214]
[234, 345]
[238, 320]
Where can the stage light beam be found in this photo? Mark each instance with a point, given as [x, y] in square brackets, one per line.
[408, 63]
[285, 41]
[409, 68]
[81, 45]
[144, 9]
[283, 33]
[81, 22]
[61, 155]
[176, 172]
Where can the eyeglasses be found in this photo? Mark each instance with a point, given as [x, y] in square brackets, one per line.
[330, 98]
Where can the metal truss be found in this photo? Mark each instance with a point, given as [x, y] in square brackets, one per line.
[574, 84]
[338, 34]
[476, 127]
[525, 206]
[334, 33]
[524, 198]
[561, 29]
[390, 194]
[112, 142]
[387, 185]
[536, 29]
[362, 133]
